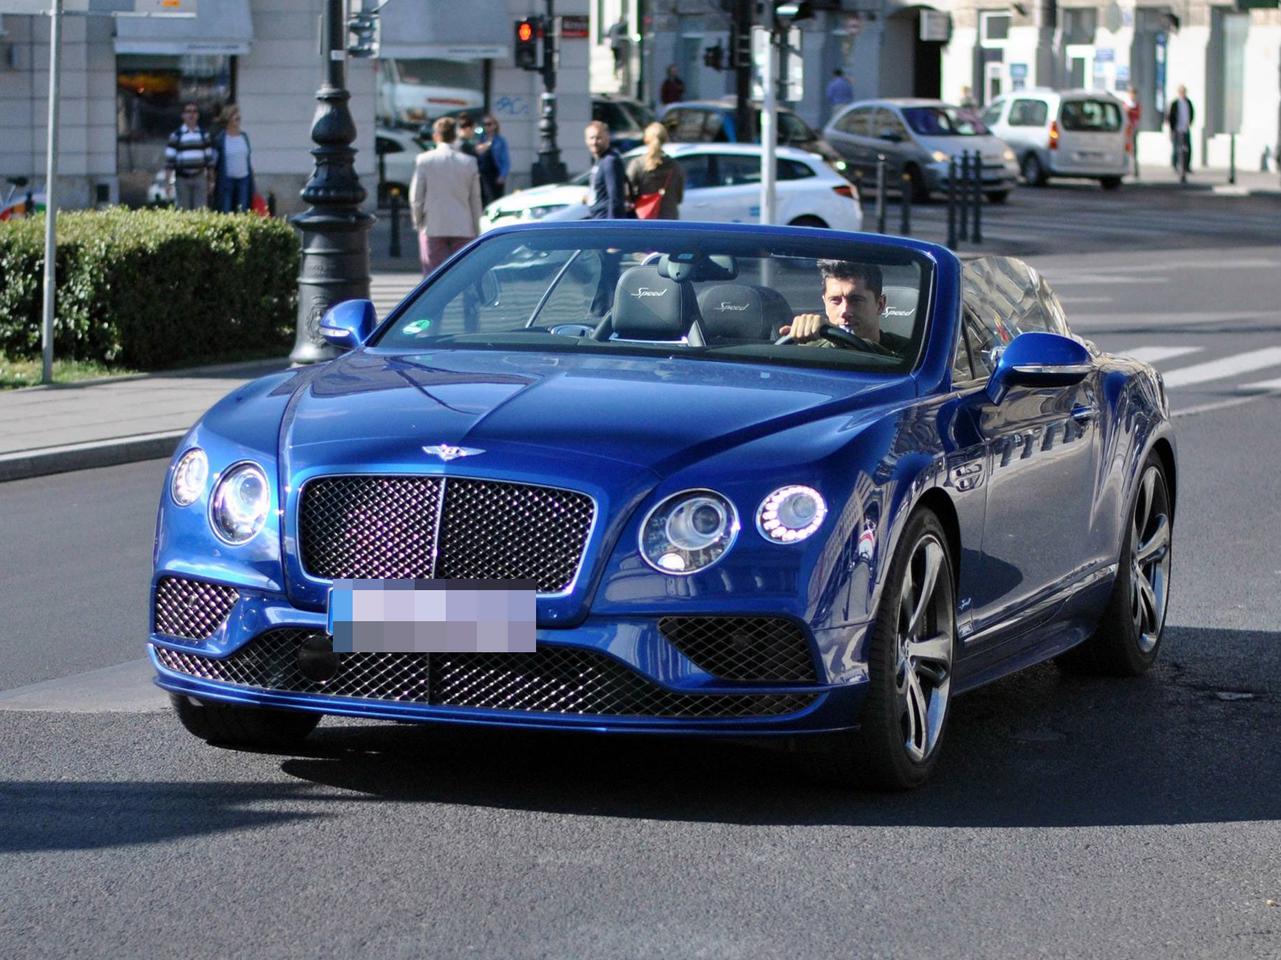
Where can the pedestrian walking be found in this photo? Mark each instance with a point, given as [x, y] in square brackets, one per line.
[444, 197]
[1133, 112]
[607, 200]
[233, 169]
[839, 92]
[617, 35]
[657, 181]
[673, 88]
[494, 160]
[1179, 118]
[189, 161]
[607, 192]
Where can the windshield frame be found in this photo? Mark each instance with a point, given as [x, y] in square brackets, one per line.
[738, 240]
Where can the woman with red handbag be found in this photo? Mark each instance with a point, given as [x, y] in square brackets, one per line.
[657, 182]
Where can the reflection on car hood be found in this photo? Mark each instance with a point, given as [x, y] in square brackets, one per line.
[607, 416]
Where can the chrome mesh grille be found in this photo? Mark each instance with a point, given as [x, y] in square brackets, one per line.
[508, 531]
[374, 527]
[744, 648]
[553, 680]
[192, 609]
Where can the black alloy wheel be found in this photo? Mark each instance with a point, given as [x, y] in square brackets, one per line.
[1033, 172]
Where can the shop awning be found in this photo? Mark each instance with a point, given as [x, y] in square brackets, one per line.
[471, 30]
[222, 27]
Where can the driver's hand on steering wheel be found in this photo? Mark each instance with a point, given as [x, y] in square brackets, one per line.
[803, 327]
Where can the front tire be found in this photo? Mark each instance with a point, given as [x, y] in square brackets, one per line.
[807, 221]
[1110, 183]
[910, 657]
[1128, 637]
[1033, 172]
[998, 196]
[232, 726]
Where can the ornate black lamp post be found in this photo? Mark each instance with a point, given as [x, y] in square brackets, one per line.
[335, 233]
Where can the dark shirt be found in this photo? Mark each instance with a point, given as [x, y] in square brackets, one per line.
[609, 188]
[673, 89]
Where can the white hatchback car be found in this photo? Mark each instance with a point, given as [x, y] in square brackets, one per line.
[1063, 133]
[722, 184]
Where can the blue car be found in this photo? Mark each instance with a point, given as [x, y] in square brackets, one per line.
[671, 478]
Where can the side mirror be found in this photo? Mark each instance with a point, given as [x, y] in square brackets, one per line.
[1039, 360]
[348, 324]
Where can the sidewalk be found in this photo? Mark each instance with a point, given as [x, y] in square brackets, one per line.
[100, 423]
[1162, 175]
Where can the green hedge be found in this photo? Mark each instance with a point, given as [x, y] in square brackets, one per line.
[151, 288]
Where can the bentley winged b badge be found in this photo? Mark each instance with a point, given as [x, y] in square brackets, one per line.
[447, 452]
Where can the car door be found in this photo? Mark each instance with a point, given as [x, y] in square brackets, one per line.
[893, 141]
[851, 134]
[699, 186]
[735, 196]
[1044, 455]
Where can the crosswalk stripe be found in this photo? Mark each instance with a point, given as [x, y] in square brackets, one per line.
[1263, 385]
[1225, 367]
[1156, 354]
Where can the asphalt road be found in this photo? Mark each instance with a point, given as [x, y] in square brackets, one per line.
[1068, 817]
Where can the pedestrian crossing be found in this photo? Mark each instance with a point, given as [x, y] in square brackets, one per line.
[1178, 373]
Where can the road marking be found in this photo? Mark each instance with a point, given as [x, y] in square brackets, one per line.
[1098, 279]
[1208, 264]
[1225, 367]
[1155, 354]
[124, 688]
[1087, 299]
[1173, 318]
[1263, 385]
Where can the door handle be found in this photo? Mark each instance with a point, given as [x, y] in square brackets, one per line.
[1083, 414]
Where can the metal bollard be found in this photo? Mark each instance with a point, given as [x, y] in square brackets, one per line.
[976, 234]
[952, 203]
[905, 206]
[880, 193]
[963, 189]
[271, 203]
[394, 247]
[1232, 158]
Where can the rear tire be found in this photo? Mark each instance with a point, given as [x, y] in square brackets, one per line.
[910, 655]
[231, 726]
[807, 221]
[1128, 638]
[998, 196]
[1033, 172]
[1110, 183]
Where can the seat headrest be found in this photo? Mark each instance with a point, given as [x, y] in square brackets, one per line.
[899, 316]
[735, 311]
[650, 307]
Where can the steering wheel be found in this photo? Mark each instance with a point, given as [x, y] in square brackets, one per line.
[843, 338]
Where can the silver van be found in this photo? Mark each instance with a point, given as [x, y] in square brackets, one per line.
[918, 139]
[1063, 133]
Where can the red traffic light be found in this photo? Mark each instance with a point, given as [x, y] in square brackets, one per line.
[524, 31]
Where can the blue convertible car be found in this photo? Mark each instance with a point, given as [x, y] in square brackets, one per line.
[671, 478]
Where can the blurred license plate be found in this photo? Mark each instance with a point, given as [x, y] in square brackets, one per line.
[432, 616]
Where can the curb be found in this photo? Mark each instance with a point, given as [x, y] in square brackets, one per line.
[84, 456]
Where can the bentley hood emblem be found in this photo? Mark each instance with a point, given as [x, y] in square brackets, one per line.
[447, 452]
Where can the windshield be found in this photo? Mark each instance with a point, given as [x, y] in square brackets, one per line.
[944, 121]
[664, 292]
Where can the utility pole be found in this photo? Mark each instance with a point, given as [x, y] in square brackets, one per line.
[741, 51]
[549, 168]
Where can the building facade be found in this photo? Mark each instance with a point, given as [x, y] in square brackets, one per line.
[124, 80]
[1227, 55]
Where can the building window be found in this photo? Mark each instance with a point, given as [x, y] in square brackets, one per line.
[1079, 25]
[994, 27]
[150, 92]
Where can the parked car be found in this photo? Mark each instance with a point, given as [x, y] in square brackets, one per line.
[722, 183]
[397, 150]
[919, 139]
[626, 119]
[1063, 133]
[411, 92]
[713, 121]
[501, 508]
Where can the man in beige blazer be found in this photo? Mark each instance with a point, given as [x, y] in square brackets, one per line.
[444, 197]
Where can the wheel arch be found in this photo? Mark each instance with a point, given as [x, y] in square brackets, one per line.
[940, 504]
[1165, 452]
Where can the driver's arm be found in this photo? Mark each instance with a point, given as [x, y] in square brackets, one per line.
[803, 327]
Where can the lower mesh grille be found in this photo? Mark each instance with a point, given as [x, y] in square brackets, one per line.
[192, 609]
[744, 648]
[553, 680]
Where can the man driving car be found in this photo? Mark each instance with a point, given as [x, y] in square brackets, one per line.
[852, 301]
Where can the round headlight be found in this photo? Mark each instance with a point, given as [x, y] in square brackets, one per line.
[189, 477]
[688, 532]
[1009, 155]
[240, 503]
[938, 156]
[790, 514]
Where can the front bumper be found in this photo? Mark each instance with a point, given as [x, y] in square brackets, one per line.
[606, 675]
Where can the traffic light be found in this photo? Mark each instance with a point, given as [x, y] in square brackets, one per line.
[788, 12]
[364, 31]
[714, 57]
[527, 43]
[742, 48]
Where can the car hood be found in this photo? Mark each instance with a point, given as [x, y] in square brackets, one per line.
[553, 193]
[992, 148]
[602, 417]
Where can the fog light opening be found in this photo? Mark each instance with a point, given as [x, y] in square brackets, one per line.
[317, 660]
